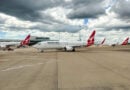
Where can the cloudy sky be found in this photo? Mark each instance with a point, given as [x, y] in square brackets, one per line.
[65, 19]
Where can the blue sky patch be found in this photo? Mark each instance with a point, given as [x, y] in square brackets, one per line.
[85, 20]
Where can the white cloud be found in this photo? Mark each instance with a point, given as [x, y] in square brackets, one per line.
[59, 13]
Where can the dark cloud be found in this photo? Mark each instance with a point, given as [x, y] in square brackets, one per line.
[17, 28]
[32, 10]
[27, 9]
[125, 27]
[57, 28]
[121, 8]
[86, 9]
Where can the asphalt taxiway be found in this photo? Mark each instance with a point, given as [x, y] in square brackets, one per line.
[94, 68]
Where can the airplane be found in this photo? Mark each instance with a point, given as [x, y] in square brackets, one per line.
[125, 42]
[66, 45]
[103, 41]
[5, 45]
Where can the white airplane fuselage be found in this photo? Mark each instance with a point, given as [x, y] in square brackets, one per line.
[67, 45]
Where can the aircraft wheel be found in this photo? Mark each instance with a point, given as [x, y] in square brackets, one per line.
[65, 49]
[73, 49]
[42, 51]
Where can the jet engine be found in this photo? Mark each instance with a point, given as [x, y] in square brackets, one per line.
[69, 48]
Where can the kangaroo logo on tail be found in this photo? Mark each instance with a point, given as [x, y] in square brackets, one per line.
[25, 41]
[125, 42]
[91, 39]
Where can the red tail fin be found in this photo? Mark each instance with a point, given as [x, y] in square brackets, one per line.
[91, 39]
[103, 41]
[25, 41]
[125, 42]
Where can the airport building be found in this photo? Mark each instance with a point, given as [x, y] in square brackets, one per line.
[34, 39]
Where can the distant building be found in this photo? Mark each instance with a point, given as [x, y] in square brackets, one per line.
[34, 39]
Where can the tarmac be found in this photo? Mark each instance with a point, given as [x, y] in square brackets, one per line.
[93, 68]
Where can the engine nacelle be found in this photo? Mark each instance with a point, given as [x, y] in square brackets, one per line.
[69, 48]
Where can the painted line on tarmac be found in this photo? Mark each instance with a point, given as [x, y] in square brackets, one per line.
[21, 66]
[24, 66]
